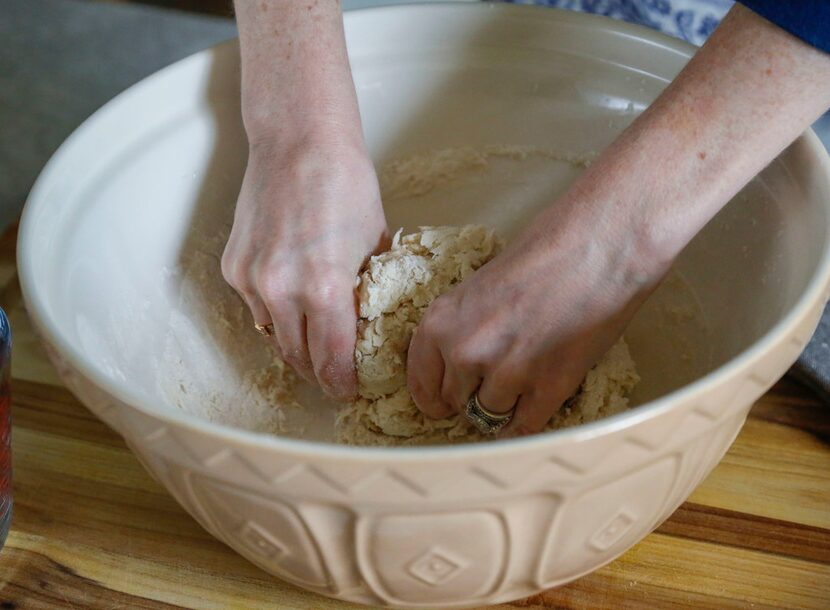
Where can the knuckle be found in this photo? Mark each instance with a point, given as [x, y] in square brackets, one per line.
[465, 357]
[326, 290]
[226, 265]
[231, 270]
[436, 314]
[440, 304]
[272, 285]
[430, 327]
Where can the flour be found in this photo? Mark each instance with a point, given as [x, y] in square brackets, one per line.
[213, 365]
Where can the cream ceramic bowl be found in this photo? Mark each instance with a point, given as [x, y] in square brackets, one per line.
[428, 527]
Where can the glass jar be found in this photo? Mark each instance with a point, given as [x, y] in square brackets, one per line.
[5, 428]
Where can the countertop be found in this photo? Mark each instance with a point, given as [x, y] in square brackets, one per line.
[93, 530]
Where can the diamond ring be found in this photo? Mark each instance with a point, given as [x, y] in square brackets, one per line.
[486, 421]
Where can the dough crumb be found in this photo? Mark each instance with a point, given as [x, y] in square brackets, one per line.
[394, 291]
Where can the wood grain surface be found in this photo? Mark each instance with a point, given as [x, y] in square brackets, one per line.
[92, 530]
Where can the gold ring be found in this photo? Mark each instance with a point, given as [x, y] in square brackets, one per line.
[483, 418]
[266, 330]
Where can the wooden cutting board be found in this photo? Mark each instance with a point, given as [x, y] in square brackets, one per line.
[92, 530]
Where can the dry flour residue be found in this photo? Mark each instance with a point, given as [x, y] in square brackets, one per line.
[419, 174]
[212, 366]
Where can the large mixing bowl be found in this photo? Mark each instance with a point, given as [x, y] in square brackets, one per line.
[443, 526]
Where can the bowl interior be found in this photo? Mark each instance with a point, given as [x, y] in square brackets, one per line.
[126, 227]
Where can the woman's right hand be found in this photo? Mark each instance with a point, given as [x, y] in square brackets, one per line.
[309, 211]
[306, 220]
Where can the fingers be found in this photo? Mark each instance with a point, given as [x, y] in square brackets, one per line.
[290, 332]
[425, 374]
[262, 316]
[534, 409]
[332, 334]
[236, 275]
[458, 386]
[500, 390]
[315, 325]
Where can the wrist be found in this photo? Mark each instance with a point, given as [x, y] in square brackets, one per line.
[650, 192]
[614, 228]
[300, 110]
[296, 79]
[333, 141]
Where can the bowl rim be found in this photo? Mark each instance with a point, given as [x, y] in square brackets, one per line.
[811, 298]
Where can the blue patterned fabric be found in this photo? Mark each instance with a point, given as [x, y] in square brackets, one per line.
[694, 20]
[691, 20]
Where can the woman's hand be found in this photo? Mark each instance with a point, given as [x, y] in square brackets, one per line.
[305, 222]
[526, 327]
[309, 211]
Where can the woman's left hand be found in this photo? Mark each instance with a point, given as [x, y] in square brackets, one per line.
[524, 329]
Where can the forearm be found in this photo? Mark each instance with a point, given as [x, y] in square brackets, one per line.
[296, 81]
[746, 95]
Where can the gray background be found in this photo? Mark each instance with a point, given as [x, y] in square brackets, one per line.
[60, 60]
